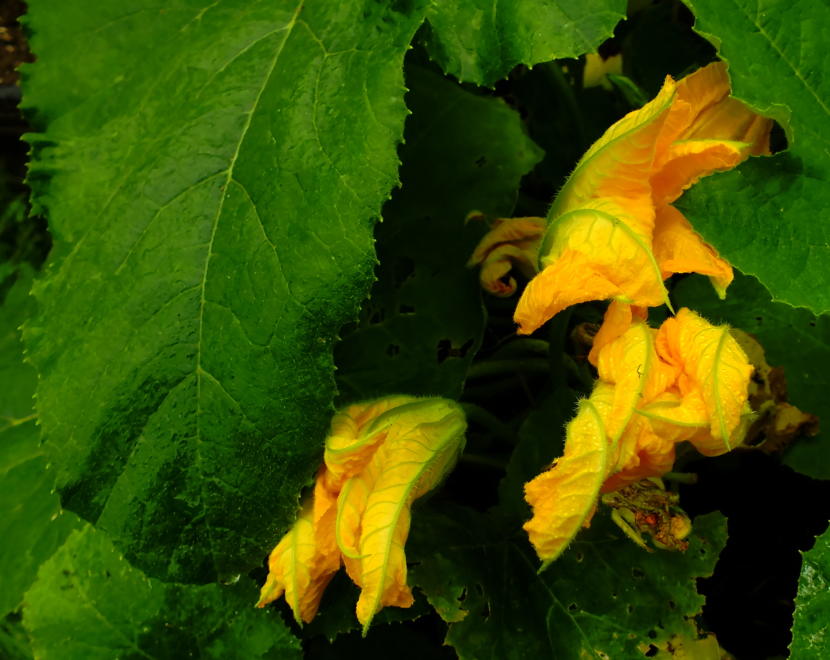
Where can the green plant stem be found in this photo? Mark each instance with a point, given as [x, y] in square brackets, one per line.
[489, 421]
[681, 477]
[501, 367]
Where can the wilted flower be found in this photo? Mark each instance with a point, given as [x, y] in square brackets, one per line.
[511, 243]
[380, 456]
[687, 381]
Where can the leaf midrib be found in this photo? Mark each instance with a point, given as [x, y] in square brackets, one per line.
[289, 28]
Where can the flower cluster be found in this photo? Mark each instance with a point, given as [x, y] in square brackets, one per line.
[379, 457]
[612, 233]
[687, 381]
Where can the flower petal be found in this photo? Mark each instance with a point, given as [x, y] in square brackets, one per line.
[510, 243]
[648, 454]
[563, 497]
[571, 280]
[594, 254]
[356, 432]
[625, 364]
[687, 162]
[716, 369]
[421, 446]
[679, 249]
[513, 231]
[618, 318]
[717, 116]
[619, 164]
[297, 568]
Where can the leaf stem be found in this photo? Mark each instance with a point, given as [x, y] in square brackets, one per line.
[681, 477]
[501, 367]
[489, 421]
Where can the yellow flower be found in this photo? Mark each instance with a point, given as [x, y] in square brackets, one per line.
[687, 381]
[611, 231]
[380, 456]
[510, 243]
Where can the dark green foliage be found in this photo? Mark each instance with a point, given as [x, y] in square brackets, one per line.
[811, 629]
[213, 174]
[777, 65]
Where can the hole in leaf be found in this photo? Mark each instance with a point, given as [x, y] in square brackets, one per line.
[579, 556]
[652, 651]
[777, 139]
[652, 634]
[672, 605]
[572, 607]
[444, 349]
[637, 573]
[481, 162]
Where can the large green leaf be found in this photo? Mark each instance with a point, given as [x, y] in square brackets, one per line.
[88, 602]
[211, 174]
[423, 322]
[32, 525]
[479, 41]
[811, 623]
[604, 598]
[763, 217]
[792, 338]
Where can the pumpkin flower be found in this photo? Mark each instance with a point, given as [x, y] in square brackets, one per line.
[686, 381]
[612, 232]
[380, 456]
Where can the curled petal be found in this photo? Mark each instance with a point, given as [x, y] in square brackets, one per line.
[595, 255]
[688, 162]
[706, 131]
[421, 446]
[510, 243]
[356, 432]
[716, 369]
[717, 116]
[298, 568]
[498, 265]
[570, 280]
[679, 249]
[563, 497]
[511, 231]
[618, 318]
